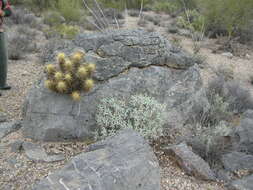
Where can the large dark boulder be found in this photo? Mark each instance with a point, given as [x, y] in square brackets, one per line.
[128, 63]
[123, 162]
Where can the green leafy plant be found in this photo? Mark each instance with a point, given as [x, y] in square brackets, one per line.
[70, 10]
[226, 16]
[141, 113]
[192, 20]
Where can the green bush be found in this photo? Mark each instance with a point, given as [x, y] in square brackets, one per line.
[192, 20]
[53, 18]
[70, 10]
[226, 16]
[122, 4]
[63, 30]
[141, 113]
[165, 6]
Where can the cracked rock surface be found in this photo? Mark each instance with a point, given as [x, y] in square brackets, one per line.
[128, 63]
[114, 164]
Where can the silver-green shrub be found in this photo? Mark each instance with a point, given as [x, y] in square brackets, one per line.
[142, 113]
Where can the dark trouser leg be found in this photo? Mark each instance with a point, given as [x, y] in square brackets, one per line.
[3, 62]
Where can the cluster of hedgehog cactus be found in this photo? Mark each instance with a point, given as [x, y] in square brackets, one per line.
[70, 76]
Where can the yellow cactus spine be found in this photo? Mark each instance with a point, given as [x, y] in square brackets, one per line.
[61, 86]
[68, 77]
[82, 72]
[77, 57]
[88, 84]
[61, 58]
[58, 76]
[76, 96]
[91, 67]
[68, 65]
[50, 69]
[49, 84]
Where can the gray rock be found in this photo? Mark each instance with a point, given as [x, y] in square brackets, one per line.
[191, 163]
[224, 175]
[36, 153]
[248, 114]
[16, 146]
[3, 117]
[173, 29]
[123, 162]
[8, 127]
[130, 47]
[237, 161]
[245, 183]
[243, 134]
[129, 62]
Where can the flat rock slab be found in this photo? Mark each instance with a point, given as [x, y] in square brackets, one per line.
[245, 183]
[122, 162]
[191, 163]
[237, 161]
[8, 127]
[36, 153]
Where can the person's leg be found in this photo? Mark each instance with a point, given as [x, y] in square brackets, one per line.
[3, 63]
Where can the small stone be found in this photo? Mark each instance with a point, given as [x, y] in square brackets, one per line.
[8, 127]
[227, 54]
[247, 56]
[16, 146]
[3, 117]
[173, 30]
[36, 153]
[191, 163]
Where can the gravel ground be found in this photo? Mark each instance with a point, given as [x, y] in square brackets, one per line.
[21, 76]
[17, 172]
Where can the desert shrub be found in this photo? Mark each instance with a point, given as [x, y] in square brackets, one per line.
[226, 16]
[165, 6]
[122, 4]
[41, 5]
[225, 71]
[63, 31]
[70, 76]
[142, 22]
[21, 41]
[239, 98]
[134, 13]
[235, 94]
[212, 143]
[226, 98]
[141, 113]
[70, 10]
[53, 18]
[67, 31]
[154, 19]
[192, 20]
[22, 16]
